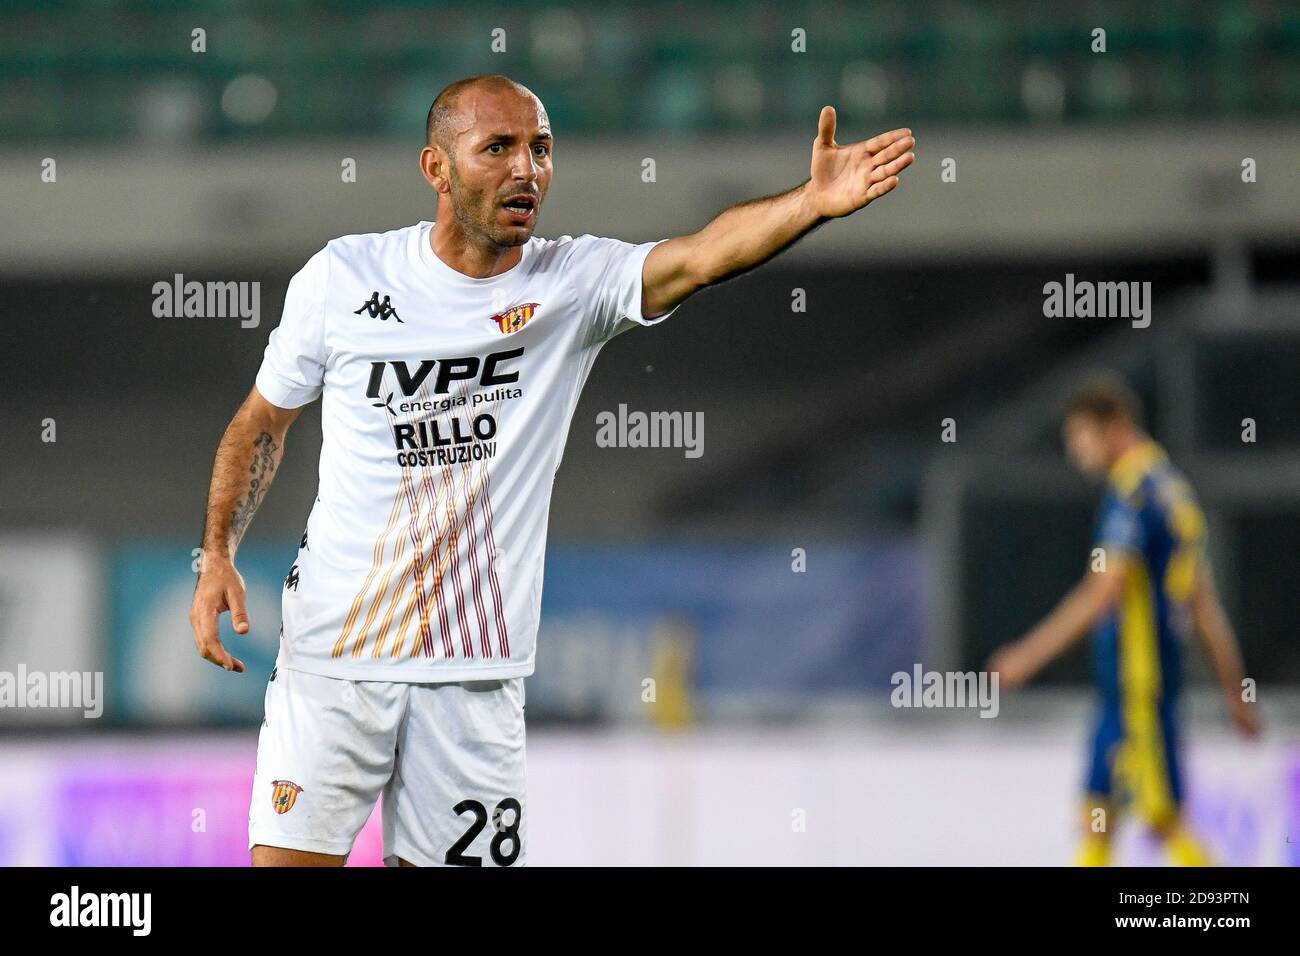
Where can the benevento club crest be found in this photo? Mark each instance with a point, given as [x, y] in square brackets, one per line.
[514, 318]
[283, 794]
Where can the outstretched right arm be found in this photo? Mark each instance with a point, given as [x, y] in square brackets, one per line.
[247, 459]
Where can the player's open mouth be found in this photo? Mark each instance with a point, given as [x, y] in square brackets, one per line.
[520, 207]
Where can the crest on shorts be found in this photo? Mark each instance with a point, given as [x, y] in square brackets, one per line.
[283, 794]
[514, 318]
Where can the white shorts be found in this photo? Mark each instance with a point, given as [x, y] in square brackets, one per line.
[448, 759]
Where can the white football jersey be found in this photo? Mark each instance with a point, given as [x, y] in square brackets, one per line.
[446, 401]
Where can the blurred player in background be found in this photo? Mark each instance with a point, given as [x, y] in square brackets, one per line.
[1147, 588]
[449, 357]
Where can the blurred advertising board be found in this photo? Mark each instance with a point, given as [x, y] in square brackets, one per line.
[744, 619]
[736, 797]
[155, 673]
[147, 802]
[695, 621]
[51, 588]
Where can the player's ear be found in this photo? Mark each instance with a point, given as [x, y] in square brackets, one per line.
[433, 165]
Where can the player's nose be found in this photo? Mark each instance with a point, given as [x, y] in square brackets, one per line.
[526, 168]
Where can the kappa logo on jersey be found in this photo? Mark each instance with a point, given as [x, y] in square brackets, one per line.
[379, 310]
[514, 318]
[283, 795]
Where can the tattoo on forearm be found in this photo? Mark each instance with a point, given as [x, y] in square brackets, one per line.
[260, 471]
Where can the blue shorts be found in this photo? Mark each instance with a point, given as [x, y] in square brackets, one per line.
[1135, 762]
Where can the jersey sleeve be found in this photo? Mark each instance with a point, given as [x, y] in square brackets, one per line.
[608, 276]
[293, 366]
[1186, 523]
[1119, 527]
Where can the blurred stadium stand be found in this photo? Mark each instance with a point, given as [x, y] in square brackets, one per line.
[124, 70]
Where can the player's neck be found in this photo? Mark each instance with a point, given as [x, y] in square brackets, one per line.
[1127, 445]
[454, 248]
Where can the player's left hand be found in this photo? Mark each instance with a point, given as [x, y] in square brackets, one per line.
[846, 178]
